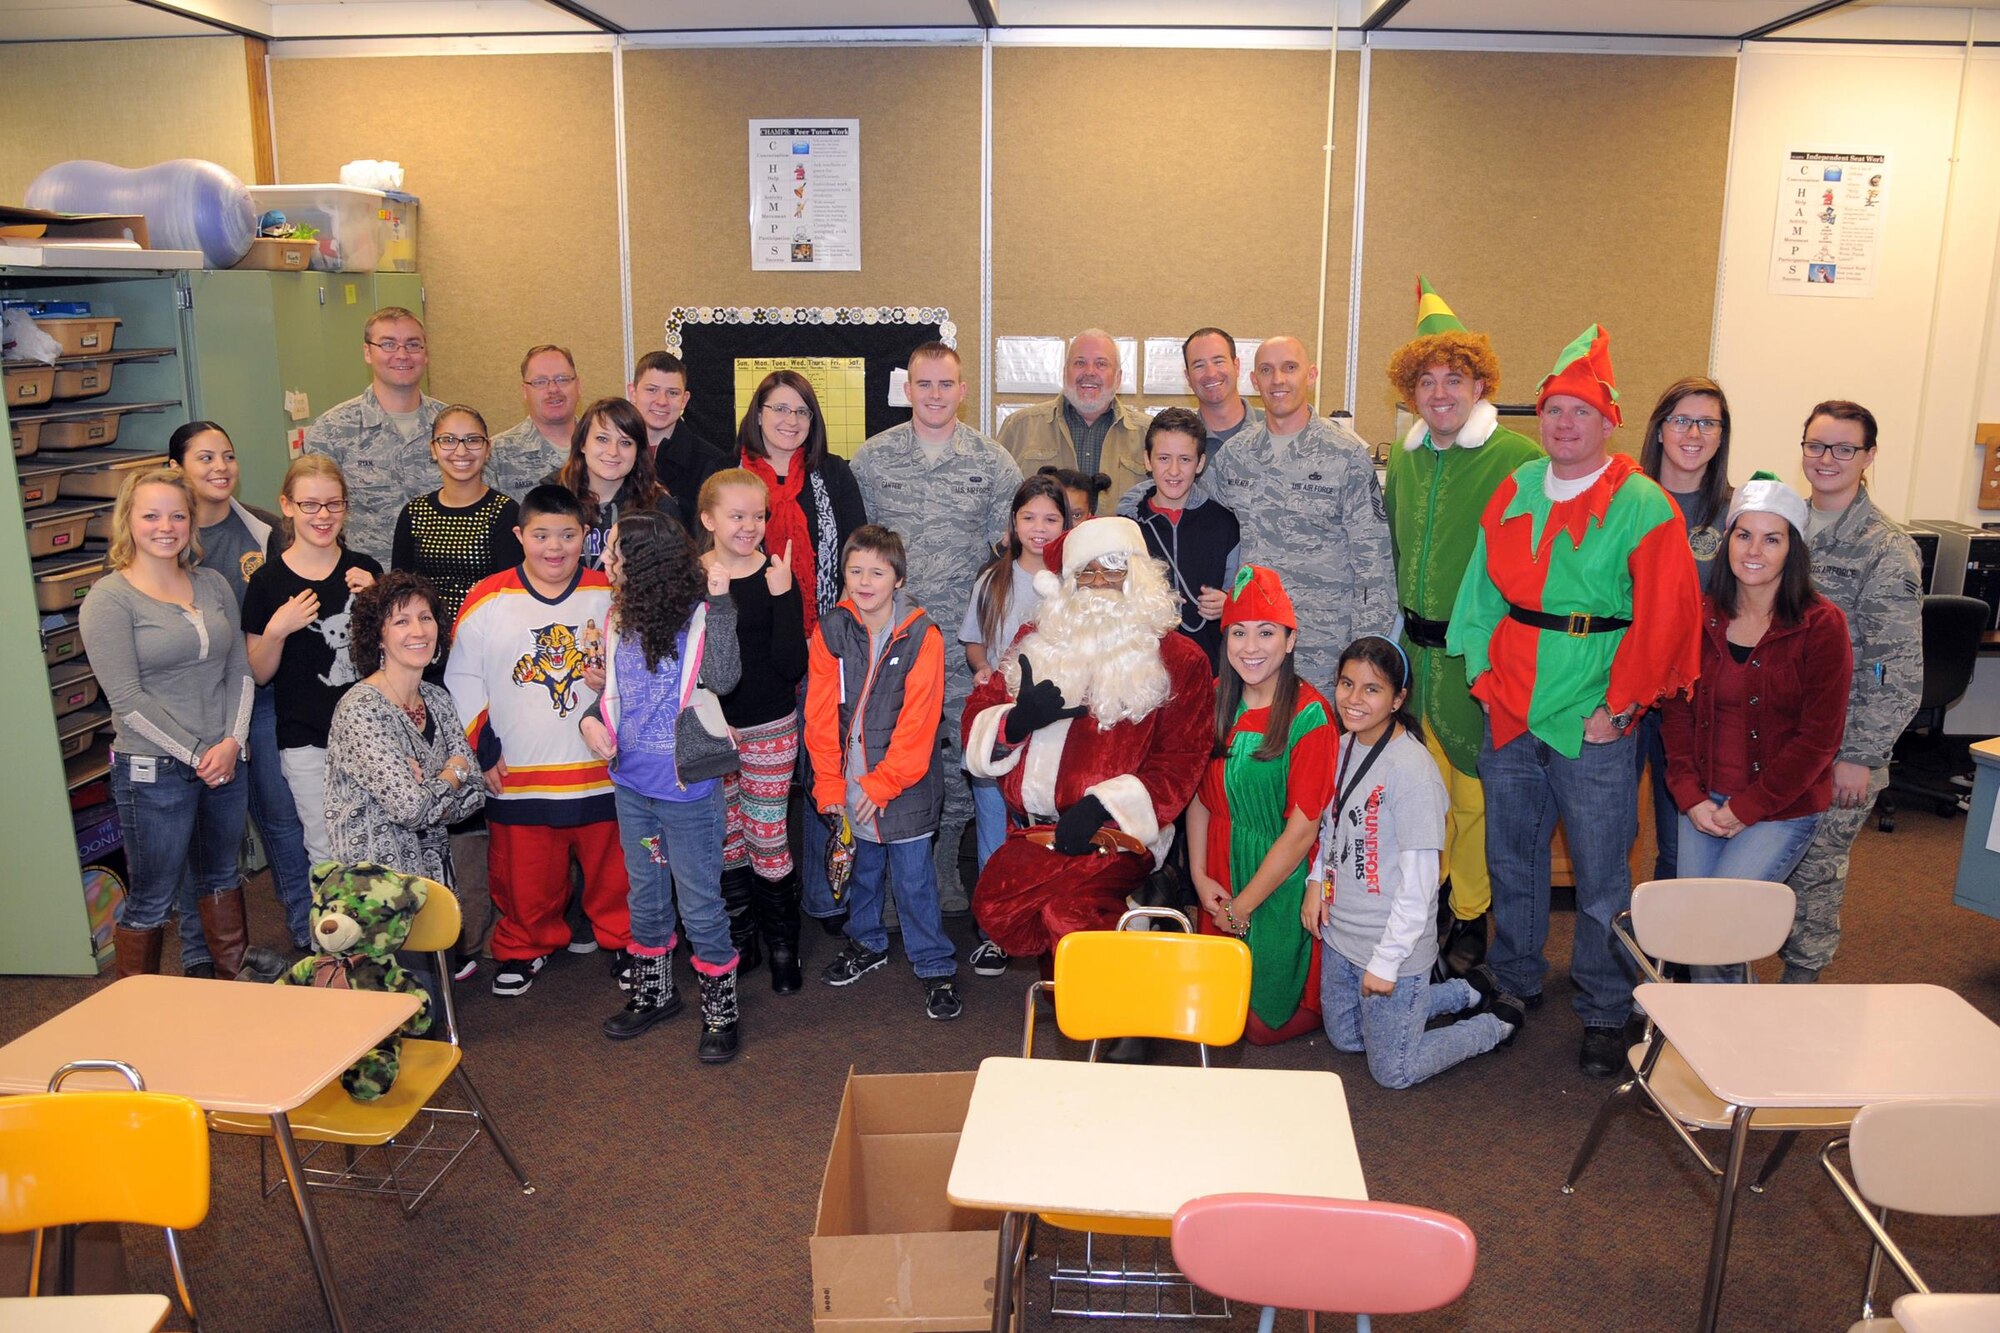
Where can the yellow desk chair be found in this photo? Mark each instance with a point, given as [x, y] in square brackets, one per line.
[379, 1155]
[1137, 983]
[75, 1157]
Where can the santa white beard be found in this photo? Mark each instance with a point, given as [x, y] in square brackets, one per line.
[1102, 647]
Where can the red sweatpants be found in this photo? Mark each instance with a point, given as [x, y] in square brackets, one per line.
[527, 869]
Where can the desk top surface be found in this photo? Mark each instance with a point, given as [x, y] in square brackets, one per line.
[1940, 1313]
[1075, 1137]
[228, 1045]
[141, 1313]
[1828, 1045]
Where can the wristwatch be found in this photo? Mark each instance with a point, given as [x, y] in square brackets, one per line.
[1624, 719]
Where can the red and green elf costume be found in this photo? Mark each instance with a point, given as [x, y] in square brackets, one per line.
[1532, 555]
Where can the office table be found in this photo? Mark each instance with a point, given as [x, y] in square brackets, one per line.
[1069, 1136]
[1817, 1046]
[143, 1313]
[1940, 1313]
[225, 1045]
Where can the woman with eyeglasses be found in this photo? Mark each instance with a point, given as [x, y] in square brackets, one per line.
[1868, 567]
[815, 501]
[296, 624]
[1686, 450]
[462, 531]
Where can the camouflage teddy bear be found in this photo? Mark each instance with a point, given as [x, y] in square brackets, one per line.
[361, 914]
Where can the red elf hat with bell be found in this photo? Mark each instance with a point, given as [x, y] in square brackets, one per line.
[1583, 370]
[1259, 594]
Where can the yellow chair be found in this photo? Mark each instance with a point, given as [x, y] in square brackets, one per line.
[378, 1153]
[73, 1157]
[1139, 983]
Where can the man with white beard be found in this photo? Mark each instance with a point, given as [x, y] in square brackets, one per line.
[1085, 426]
[1097, 727]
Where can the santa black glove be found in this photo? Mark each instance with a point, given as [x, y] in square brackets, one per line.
[1036, 704]
[1075, 826]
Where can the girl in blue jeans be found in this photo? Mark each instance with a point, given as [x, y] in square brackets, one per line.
[1372, 892]
[665, 639]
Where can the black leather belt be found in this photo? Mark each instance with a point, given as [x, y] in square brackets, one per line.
[1575, 625]
[1424, 633]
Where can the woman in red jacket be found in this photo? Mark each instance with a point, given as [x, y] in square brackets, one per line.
[1750, 753]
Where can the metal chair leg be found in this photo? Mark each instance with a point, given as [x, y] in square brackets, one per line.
[1773, 1160]
[295, 1176]
[1874, 1268]
[492, 1130]
[181, 1279]
[1598, 1125]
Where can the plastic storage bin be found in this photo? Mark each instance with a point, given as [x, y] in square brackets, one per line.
[360, 231]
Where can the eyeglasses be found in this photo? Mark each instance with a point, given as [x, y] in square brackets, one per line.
[392, 346]
[459, 444]
[541, 382]
[314, 508]
[798, 414]
[1844, 452]
[1097, 576]
[1698, 425]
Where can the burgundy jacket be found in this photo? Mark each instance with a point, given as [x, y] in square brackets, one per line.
[1798, 710]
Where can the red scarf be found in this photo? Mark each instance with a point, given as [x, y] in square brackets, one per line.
[787, 523]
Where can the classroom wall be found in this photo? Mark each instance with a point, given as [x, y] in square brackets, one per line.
[513, 159]
[150, 101]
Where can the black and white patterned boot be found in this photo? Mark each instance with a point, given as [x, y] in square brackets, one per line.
[653, 997]
[718, 1018]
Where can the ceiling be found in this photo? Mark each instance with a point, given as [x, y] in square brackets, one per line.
[81, 20]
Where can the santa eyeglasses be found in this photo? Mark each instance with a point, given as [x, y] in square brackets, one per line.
[1107, 571]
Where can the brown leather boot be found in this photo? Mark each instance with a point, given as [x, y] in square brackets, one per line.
[137, 952]
[227, 929]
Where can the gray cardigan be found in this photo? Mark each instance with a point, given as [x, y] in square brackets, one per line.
[177, 682]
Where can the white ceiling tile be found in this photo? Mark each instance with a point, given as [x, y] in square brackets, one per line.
[1656, 18]
[43, 21]
[710, 15]
[1164, 13]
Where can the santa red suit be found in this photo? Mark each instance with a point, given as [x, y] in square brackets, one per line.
[1125, 748]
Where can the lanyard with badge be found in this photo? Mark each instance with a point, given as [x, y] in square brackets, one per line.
[1344, 787]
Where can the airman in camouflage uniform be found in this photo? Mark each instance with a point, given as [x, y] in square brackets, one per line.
[1867, 566]
[384, 467]
[949, 497]
[523, 455]
[1310, 508]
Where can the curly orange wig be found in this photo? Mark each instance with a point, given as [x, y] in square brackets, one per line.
[1467, 353]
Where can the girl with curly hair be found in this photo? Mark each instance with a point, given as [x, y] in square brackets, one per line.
[610, 471]
[670, 638]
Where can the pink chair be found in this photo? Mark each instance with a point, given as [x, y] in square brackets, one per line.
[1348, 1255]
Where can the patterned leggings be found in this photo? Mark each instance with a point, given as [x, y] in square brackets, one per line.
[755, 799]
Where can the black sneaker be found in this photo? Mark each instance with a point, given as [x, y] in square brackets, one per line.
[854, 961]
[465, 968]
[620, 963]
[1602, 1053]
[515, 975]
[583, 943]
[989, 959]
[941, 999]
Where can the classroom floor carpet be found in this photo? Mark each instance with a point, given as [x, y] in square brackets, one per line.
[673, 1195]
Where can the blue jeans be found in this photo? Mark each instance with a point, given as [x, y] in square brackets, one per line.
[1528, 787]
[1666, 815]
[175, 825]
[1390, 1028]
[989, 818]
[915, 874]
[689, 835]
[1766, 850]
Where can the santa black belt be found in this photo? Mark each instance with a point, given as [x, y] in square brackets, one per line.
[1575, 625]
[1424, 633]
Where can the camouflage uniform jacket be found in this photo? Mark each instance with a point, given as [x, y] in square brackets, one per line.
[1867, 566]
[1312, 510]
[384, 470]
[521, 457]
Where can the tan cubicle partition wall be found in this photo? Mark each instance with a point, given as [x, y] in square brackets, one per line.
[514, 159]
[687, 135]
[1150, 192]
[1540, 194]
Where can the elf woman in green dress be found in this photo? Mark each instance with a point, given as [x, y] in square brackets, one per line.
[1253, 823]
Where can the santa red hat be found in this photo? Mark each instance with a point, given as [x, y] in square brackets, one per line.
[1259, 594]
[1583, 370]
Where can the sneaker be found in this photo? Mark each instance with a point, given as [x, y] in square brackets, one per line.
[620, 962]
[515, 975]
[989, 959]
[467, 969]
[585, 943]
[941, 998]
[1602, 1053]
[854, 961]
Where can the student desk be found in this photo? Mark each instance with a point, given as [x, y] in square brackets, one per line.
[225, 1045]
[1940, 1313]
[1820, 1045]
[143, 1313]
[1074, 1137]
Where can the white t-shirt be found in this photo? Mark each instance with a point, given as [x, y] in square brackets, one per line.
[1022, 604]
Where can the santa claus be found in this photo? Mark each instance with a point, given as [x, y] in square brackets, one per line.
[1097, 727]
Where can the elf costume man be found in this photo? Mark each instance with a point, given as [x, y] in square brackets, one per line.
[1097, 726]
[1455, 456]
[1579, 610]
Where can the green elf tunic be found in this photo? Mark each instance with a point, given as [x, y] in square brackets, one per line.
[1248, 801]
[1435, 497]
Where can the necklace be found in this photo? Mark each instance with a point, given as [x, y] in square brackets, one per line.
[414, 710]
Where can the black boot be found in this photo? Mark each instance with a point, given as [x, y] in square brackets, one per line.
[718, 1018]
[777, 904]
[653, 997]
[1463, 947]
[737, 888]
[1127, 1051]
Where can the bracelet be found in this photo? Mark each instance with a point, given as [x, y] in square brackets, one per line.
[1230, 912]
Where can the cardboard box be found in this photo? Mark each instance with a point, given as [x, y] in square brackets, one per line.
[29, 224]
[890, 1254]
[276, 255]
